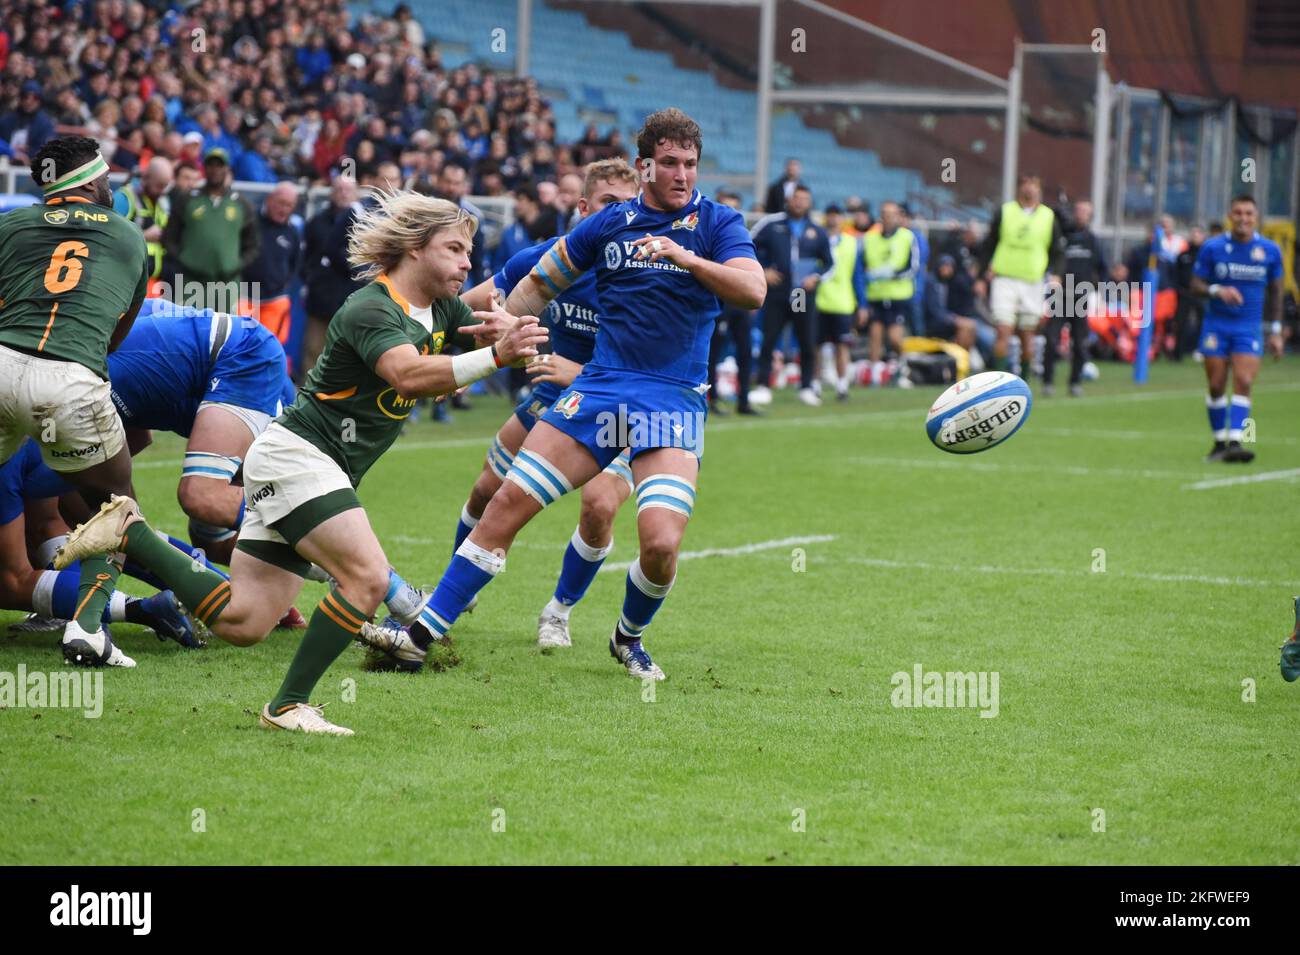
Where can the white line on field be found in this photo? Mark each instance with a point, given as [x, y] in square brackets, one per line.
[1244, 479]
[1060, 572]
[735, 551]
[964, 463]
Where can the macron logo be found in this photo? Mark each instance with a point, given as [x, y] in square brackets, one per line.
[213, 385]
[103, 908]
[631, 214]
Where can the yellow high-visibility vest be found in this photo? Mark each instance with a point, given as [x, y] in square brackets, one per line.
[895, 252]
[835, 295]
[1024, 241]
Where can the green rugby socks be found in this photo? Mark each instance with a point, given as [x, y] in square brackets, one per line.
[203, 591]
[95, 586]
[334, 625]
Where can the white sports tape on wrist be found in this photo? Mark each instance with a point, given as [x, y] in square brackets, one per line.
[470, 366]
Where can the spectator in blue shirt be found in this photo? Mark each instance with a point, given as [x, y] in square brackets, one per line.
[526, 230]
[28, 127]
[254, 165]
[795, 254]
[314, 60]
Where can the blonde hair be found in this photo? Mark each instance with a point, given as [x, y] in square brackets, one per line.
[609, 170]
[400, 222]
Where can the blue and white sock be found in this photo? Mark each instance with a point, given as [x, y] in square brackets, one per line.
[470, 570]
[403, 600]
[464, 526]
[1237, 415]
[1218, 411]
[642, 599]
[55, 595]
[577, 571]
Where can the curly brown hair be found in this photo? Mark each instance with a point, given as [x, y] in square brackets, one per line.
[668, 126]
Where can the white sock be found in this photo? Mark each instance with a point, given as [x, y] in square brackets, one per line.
[45, 552]
[557, 609]
[43, 593]
[844, 382]
[469, 519]
[586, 551]
[482, 558]
[117, 607]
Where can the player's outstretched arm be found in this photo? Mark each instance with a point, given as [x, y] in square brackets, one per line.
[740, 281]
[414, 375]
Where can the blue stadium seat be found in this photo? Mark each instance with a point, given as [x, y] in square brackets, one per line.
[607, 74]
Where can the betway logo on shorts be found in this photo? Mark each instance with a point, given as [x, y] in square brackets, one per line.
[86, 452]
[263, 492]
[622, 255]
[72, 908]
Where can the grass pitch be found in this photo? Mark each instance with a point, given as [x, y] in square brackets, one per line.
[1131, 612]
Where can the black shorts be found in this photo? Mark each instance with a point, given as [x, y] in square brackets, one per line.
[890, 312]
[834, 328]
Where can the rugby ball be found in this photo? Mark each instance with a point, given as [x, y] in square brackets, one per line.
[978, 413]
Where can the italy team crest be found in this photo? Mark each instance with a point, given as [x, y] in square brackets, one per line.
[568, 405]
[688, 222]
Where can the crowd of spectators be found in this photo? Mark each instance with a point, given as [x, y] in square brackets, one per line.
[288, 90]
[188, 97]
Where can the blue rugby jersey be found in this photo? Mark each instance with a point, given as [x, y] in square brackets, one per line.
[573, 317]
[1249, 267]
[656, 318]
[168, 364]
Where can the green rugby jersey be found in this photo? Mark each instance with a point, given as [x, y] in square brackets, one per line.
[344, 407]
[69, 270]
